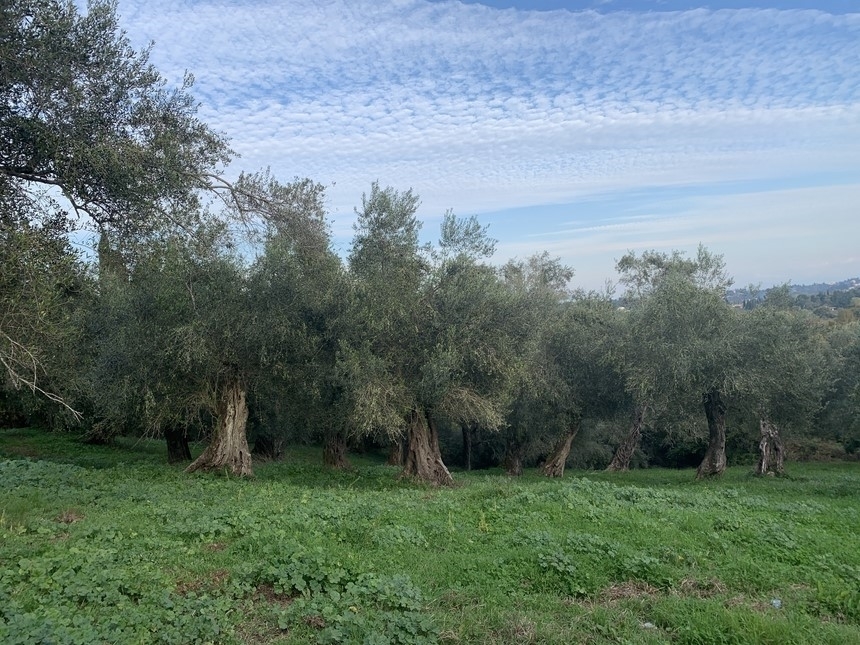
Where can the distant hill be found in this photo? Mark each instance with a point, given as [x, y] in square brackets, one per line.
[739, 296]
[822, 287]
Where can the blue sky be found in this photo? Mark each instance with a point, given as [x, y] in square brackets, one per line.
[583, 128]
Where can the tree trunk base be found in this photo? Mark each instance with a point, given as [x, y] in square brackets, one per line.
[467, 446]
[228, 451]
[771, 450]
[513, 466]
[714, 463]
[268, 446]
[423, 460]
[554, 466]
[513, 462]
[334, 452]
[624, 453]
[396, 453]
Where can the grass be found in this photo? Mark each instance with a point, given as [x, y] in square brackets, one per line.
[112, 545]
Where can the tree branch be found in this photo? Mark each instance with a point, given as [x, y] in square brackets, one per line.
[27, 360]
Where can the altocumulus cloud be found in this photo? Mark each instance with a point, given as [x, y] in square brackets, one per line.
[482, 109]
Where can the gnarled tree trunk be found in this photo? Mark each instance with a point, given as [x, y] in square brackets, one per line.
[624, 452]
[513, 463]
[714, 462]
[554, 466]
[178, 450]
[771, 451]
[334, 452]
[228, 449]
[423, 460]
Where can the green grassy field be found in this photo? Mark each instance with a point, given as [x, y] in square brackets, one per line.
[111, 545]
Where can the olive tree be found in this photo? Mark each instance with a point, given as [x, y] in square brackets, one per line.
[171, 348]
[581, 347]
[189, 330]
[563, 374]
[840, 415]
[91, 136]
[784, 353]
[682, 342]
[537, 412]
[300, 297]
[424, 329]
[82, 111]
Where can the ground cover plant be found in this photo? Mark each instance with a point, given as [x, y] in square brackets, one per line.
[107, 544]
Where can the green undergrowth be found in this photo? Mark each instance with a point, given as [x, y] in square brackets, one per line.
[112, 545]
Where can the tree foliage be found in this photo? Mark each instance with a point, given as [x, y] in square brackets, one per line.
[82, 111]
[42, 288]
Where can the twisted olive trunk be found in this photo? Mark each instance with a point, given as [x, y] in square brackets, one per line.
[714, 462]
[771, 450]
[554, 466]
[624, 452]
[423, 460]
[228, 450]
[334, 452]
[513, 462]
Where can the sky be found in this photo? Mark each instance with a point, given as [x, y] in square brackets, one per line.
[586, 129]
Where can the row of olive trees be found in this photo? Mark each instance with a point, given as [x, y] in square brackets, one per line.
[676, 351]
[178, 331]
[686, 344]
[210, 303]
[405, 337]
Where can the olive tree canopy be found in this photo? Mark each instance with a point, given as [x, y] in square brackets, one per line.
[82, 111]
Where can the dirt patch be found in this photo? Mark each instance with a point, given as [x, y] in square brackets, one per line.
[268, 594]
[735, 601]
[212, 580]
[630, 589]
[215, 547]
[701, 588]
[218, 577]
[638, 590]
[69, 516]
[317, 622]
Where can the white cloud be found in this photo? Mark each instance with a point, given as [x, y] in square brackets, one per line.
[482, 109]
[767, 237]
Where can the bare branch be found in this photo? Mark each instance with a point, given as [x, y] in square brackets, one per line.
[16, 357]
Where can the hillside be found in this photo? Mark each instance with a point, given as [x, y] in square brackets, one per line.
[739, 296]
